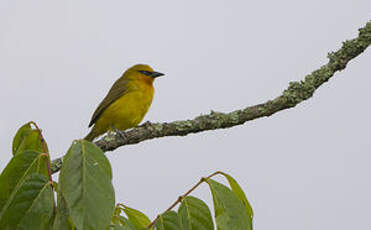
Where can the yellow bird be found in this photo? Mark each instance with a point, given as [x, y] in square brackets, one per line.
[126, 103]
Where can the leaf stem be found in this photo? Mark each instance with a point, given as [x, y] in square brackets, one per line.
[180, 198]
[46, 152]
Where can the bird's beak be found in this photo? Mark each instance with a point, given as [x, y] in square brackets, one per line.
[156, 74]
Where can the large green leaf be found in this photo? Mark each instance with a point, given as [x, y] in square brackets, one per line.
[85, 183]
[16, 171]
[31, 207]
[27, 139]
[136, 217]
[237, 190]
[168, 221]
[195, 214]
[230, 212]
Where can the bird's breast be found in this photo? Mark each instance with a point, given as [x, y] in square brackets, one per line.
[129, 110]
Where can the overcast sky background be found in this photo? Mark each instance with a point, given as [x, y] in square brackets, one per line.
[303, 168]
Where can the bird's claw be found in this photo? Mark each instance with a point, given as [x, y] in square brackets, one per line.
[122, 134]
[146, 124]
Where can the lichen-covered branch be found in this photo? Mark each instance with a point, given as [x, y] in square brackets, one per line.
[293, 95]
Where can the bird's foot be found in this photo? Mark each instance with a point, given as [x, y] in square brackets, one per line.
[122, 134]
[146, 124]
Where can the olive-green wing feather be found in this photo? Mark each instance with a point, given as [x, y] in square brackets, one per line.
[118, 90]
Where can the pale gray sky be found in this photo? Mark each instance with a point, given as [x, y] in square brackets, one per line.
[304, 168]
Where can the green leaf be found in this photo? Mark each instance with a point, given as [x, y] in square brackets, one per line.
[16, 171]
[168, 221]
[116, 215]
[31, 207]
[119, 227]
[85, 183]
[127, 224]
[237, 190]
[62, 219]
[230, 213]
[136, 217]
[55, 185]
[122, 222]
[27, 139]
[195, 214]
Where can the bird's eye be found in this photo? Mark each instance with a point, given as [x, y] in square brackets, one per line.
[148, 73]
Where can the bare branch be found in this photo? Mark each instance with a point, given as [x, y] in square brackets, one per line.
[293, 95]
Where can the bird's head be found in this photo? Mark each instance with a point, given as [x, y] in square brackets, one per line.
[142, 72]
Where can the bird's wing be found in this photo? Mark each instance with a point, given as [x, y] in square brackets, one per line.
[118, 90]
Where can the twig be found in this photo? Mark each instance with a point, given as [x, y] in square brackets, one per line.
[296, 93]
[180, 198]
